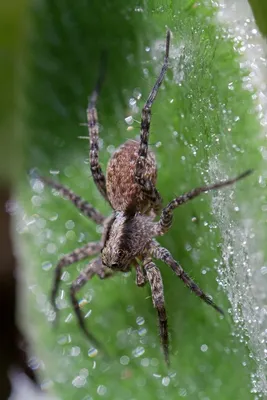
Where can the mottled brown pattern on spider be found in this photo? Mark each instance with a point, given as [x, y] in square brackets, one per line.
[122, 190]
[128, 238]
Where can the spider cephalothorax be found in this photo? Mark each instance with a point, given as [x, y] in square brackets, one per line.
[128, 238]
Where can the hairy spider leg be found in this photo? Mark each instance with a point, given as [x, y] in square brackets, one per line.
[160, 253]
[167, 213]
[93, 126]
[156, 284]
[86, 208]
[140, 277]
[147, 186]
[94, 268]
[89, 249]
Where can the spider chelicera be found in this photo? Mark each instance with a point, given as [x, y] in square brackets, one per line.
[128, 238]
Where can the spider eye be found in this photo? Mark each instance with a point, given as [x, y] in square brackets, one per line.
[114, 265]
[120, 253]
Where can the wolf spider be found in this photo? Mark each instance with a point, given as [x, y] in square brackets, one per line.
[128, 238]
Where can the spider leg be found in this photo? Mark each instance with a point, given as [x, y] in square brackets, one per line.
[160, 253]
[86, 208]
[93, 126]
[94, 268]
[167, 213]
[141, 278]
[77, 255]
[155, 280]
[147, 186]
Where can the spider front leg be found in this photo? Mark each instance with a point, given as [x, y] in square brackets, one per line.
[154, 277]
[146, 184]
[93, 126]
[94, 268]
[167, 213]
[160, 253]
[77, 255]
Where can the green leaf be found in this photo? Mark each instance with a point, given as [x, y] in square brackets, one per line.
[204, 128]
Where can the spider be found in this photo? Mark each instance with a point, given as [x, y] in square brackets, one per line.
[128, 238]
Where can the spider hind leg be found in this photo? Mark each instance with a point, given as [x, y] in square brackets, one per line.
[160, 253]
[77, 255]
[156, 284]
[94, 268]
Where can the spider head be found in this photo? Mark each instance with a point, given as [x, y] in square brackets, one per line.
[114, 259]
[126, 238]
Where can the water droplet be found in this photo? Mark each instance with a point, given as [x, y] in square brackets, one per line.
[165, 381]
[69, 318]
[124, 360]
[88, 314]
[111, 149]
[101, 390]
[129, 120]
[138, 9]
[130, 308]
[62, 339]
[140, 320]
[145, 362]
[36, 201]
[139, 351]
[71, 235]
[65, 276]
[142, 332]
[34, 363]
[37, 186]
[47, 265]
[204, 348]
[54, 172]
[82, 303]
[79, 381]
[92, 352]
[70, 224]
[53, 217]
[46, 384]
[137, 93]
[75, 351]
[132, 102]
[183, 392]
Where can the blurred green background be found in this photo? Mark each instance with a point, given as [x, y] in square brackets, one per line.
[202, 115]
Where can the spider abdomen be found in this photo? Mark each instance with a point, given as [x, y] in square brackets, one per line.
[122, 190]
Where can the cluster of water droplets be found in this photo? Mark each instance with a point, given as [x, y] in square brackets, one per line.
[242, 271]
